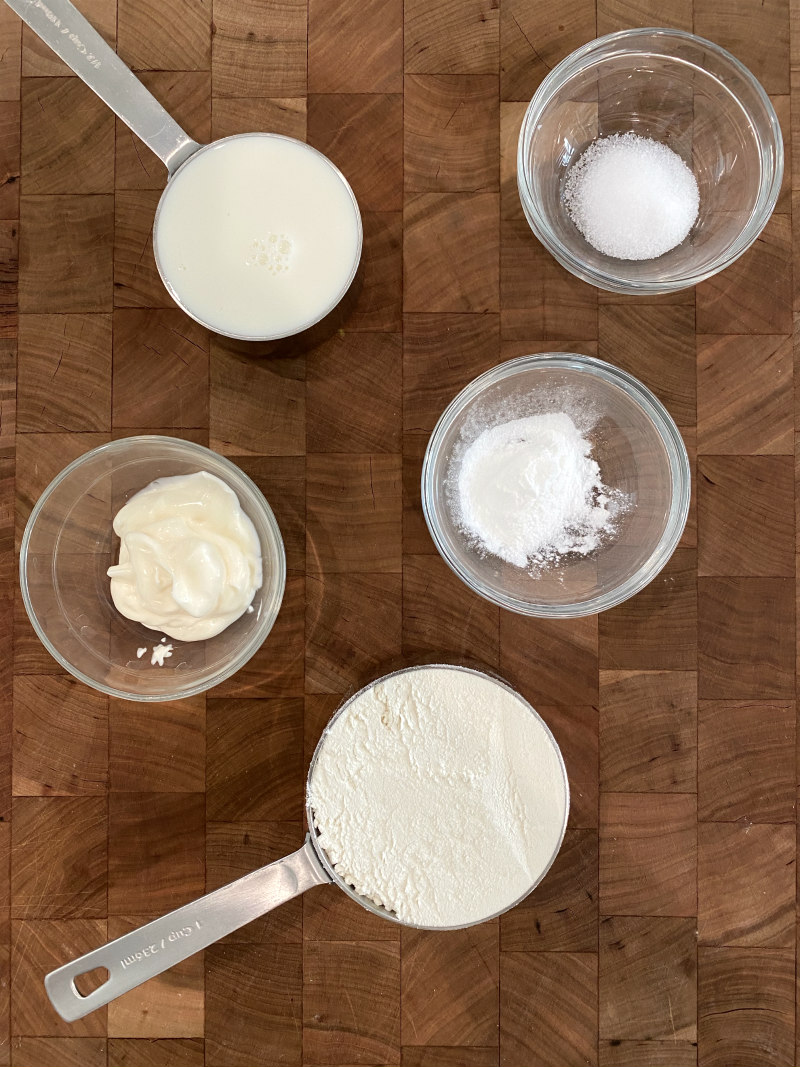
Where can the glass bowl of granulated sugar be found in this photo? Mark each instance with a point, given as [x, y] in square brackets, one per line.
[648, 161]
[556, 485]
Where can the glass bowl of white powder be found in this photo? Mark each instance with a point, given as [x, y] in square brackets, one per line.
[69, 544]
[556, 485]
[623, 137]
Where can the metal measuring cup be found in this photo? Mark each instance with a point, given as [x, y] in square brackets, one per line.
[74, 40]
[141, 954]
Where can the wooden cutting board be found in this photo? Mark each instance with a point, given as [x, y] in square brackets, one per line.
[666, 933]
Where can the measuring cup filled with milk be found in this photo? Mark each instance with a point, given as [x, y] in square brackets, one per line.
[436, 798]
[256, 236]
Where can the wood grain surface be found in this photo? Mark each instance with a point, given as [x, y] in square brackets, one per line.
[666, 933]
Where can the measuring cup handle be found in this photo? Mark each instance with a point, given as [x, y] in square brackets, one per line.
[62, 27]
[146, 952]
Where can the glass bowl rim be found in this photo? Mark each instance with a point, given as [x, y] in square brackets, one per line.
[664, 426]
[260, 633]
[581, 59]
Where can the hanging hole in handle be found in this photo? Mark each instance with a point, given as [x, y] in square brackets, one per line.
[90, 981]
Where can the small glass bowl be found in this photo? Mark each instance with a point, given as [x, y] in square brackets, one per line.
[683, 91]
[638, 448]
[69, 544]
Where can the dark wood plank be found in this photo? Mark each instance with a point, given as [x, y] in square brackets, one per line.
[149, 40]
[746, 761]
[268, 61]
[351, 1002]
[54, 156]
[178, 764]
[450, 987]
[538, 298]
[433, 280]
[753, 296]
[446, 37]
[746, 1006]
[64, 373]
[165, 1052]
[254, 777]
[648, 978]
[533, 41]
[65, 1051]
[746, 885]
[355, 46]
[548, 1008]
[750, 534]
[59, 867]
[451, 124]
[761, 42]
[37, 947]
[657, 345]
[648, 854]
[744, 405]
[352, 392]
[253, 1005]
[656, 630]
[745, 646]
[648, 731]
[156, 855]
[353, 514]
[60, 738]
[76, 272]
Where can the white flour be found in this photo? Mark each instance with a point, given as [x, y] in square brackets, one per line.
[439, 795]
[529, 492]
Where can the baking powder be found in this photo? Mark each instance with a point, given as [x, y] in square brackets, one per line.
[529, 491]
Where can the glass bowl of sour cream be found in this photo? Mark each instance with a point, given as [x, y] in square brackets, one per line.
[652, 102]
[197, 568]
[556, 485]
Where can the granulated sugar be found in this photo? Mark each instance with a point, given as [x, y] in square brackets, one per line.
[529, 491]
[631, 197]
[439, 795]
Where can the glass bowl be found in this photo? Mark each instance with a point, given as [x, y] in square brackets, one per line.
[69, 544]
[678, 89]
[638, 448]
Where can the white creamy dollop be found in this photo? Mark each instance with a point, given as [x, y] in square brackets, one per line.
[189, 557]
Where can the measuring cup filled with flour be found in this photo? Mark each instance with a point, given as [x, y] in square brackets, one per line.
[437, 798]
[256, 236]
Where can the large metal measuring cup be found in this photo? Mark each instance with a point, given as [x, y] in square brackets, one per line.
[146, 952]
[62, 27]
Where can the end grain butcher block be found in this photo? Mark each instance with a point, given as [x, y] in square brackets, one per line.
[666, 932]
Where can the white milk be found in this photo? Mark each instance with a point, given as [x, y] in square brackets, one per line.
[258, 236]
